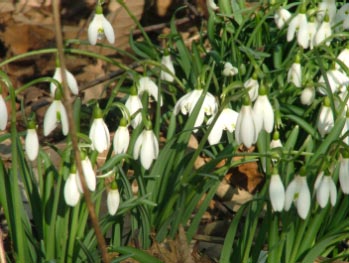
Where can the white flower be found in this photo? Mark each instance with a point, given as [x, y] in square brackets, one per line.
[245, 131]
[121, 138]
[71, 81]
[344, 174]
[71, 191]
[100, 27]
[294, 74]
[3, 113]
[89, 174]
[252, 86]
[324, 32]
[308, 95]
[312, 30]
[325, 121]
[299, 24]
[263, 114]
[113, 201]
[99, 135]
[146, 147]
[281, 16]
[336, 80]
[342, 18]
[229, 70]
[343, 57]
[325, 189]
[298, 192]
[326, 7]
[186, 104]
[275, 143]
[134, 104]
[225, 121]
[146, 84]
[211, 4]
[276, 193]
[54, 114]
[32, 144]
[166, 61]
[346, 129]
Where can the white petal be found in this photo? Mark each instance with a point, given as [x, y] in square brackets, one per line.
[3, 113]
[99, 135]
[138, 145]
[333, 192]
[148, 152]
[247, 126]
[277, 193]
[344, 175]
[307, 96]
[291, 190]
[71, 193]
[323, 193]
[64, 118]
[50, 119]
[89, 174]
[167, 62]
[72, 83]
[303, 201]
[113, 201]
[57, 76]
[121, 140]
[32, 144]
[108, 30]
[93, 28]
[252, 85]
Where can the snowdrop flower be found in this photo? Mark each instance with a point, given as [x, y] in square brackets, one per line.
[71, 190]
[346, 128]
[186, 104]
[245, 131]
[325, 189]
[54, 114]
[121, 138]
[134, 104]
[229, 70]
[342, 17]
[325, 121]
[252, 86]
[263, 112]
[225, 121]
[308, 95]
[281, 16]
[344, 174]
[299, 24]
[3, 113]
[276, 192]
[146, 148]
[99, 132]
[147, 85]
[211, 4]
[31, 142]
[100, 27]
[89, 173]
[297, 192]
[294, 74]
[166, 61]
[113, 199]
[71, 81]
[343, 57]
[336, 80]
[276, 142]
[326, 7]
[312, 30]
[323, 32]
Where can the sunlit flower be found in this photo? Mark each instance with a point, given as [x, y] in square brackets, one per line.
[308, 95]
[89, 173]
[32, 143]
[281, 16]
[323, 32]
[146, 84]
[71, 191]
[99, 132]
[276, 193]
[186, 104]
[297, 192]
[245, 131]
[263, 112]
[121, 138]
[166, 61]
[325, 121]
[54, 114]
[211, 4]
[252, 86]
[294, 74]
[343, 57]
[225, 121]
[326, 7]
[146, 148]
[71, 81]
[113, 201]
[336, 80]
[299, 24]
[229, 70]
[3, 113]
[100, 27]
[134, 104]
[325, 190]
[344, 174]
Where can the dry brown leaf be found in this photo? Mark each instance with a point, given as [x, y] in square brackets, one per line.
[162, 7]
[6, 7]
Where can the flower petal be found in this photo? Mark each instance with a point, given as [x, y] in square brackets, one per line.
[32, 144]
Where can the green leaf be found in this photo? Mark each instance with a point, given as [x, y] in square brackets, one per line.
[137, 254]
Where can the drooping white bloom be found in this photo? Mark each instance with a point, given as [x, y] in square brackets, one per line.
[276, 193]
[281, 16]
[71, 81]
[344, 174]
[226, 121]
[326, 7]
[32, 144]
[100, 27]
[146, 148]
[325, 189]
[229, 70]
[342, 17]
[211, 4]
[121, 138]
[252, 86]
[275, 143]
[263, 114]
[294, 74]
[166, 61]
[89, 173]
[245, 131]
[134, 104]
[99, 135]
[54, 114]
[336, 80]
[308, 95]
[186, 104]
[71, 191]
[297, 192]
[343, 57]
[299, 24]
[312, 30]
[146, 84]
[113, 201]
[325, 121]
[3, 113]
[324, 32]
